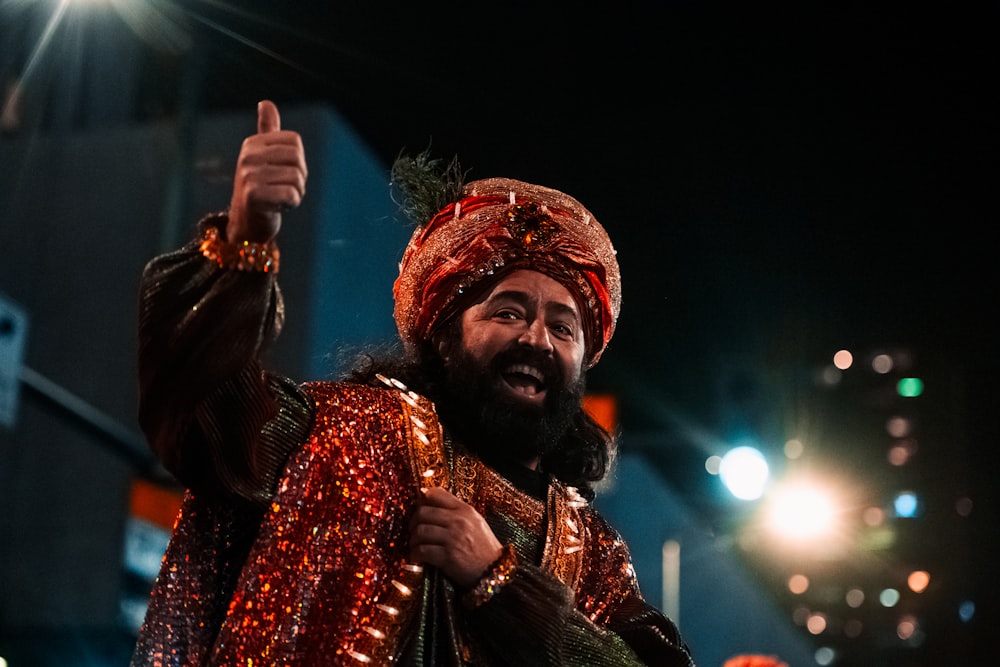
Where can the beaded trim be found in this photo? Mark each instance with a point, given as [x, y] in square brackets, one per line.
[494, 579]
[246, 256]
[566, 534]
[376, 643]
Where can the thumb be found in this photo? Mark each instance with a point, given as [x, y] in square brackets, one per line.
[268, 119]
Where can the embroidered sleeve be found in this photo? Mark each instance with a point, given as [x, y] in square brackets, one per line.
[213, 417]
[603, 622]
[543, 627]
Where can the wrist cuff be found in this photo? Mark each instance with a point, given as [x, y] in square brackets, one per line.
[245, 256]
[494, 579]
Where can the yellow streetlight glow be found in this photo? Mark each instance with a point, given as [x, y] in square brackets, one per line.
[801, 512]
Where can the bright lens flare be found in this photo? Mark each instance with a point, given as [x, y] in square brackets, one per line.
[744, 471]
[802, 512]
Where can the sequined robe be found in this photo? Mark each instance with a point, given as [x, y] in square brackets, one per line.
[291, 546]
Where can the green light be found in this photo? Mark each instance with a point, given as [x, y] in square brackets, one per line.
[910, 387]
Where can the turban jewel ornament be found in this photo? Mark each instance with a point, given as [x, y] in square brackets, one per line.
[469, 235]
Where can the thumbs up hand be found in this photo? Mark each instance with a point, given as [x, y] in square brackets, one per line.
[270, 177]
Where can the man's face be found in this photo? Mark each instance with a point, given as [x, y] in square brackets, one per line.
[529, 333]
[514, 364]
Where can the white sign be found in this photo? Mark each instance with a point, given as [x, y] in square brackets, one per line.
[13, 340]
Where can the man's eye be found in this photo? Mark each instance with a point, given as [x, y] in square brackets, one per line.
[507, 315]
[563, 330]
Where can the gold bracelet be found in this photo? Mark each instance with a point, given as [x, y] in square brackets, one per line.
[244, 256]
[495, 578]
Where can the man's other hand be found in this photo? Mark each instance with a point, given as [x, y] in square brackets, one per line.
[452, 536]
[270, 177]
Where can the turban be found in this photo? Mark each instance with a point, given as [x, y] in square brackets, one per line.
[500, 225]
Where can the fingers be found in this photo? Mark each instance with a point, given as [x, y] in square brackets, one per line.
[268, 119]
[271, 173]
[437, 496]
[270, 177]
[430, 534]
[450, 534]
[274, 163]
[440, 516]
[276, 149]
[273, 195]
[437, 516]
[438, 507]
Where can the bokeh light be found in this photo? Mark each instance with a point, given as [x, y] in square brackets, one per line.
[854, 597]
[910, 387]
[898, 455]
[898, 427]
[712, 464]
[918, 581]
[906, 505]
[825, 656]
[744, 471]
[843, 360]
[798, 584]
[800, 512]
[902, 451]
[830, 376]
[794, 448]
[874, 516]
[907, 627]
[882, 364]
[963, 506]
[889, 597]
[816, 624]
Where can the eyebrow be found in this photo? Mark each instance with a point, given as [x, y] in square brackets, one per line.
[522, 298]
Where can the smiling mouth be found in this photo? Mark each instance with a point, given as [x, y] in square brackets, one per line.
[525, 380]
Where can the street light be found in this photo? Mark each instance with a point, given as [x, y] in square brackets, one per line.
[801, 511]
[744, 471]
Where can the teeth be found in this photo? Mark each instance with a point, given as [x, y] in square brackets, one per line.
[524, 369]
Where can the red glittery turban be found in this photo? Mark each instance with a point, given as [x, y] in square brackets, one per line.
[500, 225]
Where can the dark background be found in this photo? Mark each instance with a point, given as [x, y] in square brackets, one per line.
[819, 173]
[780, 182]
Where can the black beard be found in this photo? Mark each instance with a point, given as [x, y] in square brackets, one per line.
[490, 422]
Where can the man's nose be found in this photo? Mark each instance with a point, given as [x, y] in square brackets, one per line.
[536, 335]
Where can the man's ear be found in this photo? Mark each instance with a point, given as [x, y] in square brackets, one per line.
[442, 343]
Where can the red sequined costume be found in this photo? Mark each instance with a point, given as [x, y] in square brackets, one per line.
[291, 545]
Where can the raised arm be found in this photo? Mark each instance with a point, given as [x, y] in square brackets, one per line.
[214, 418]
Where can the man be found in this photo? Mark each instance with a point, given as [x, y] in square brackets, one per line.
[428, 511]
